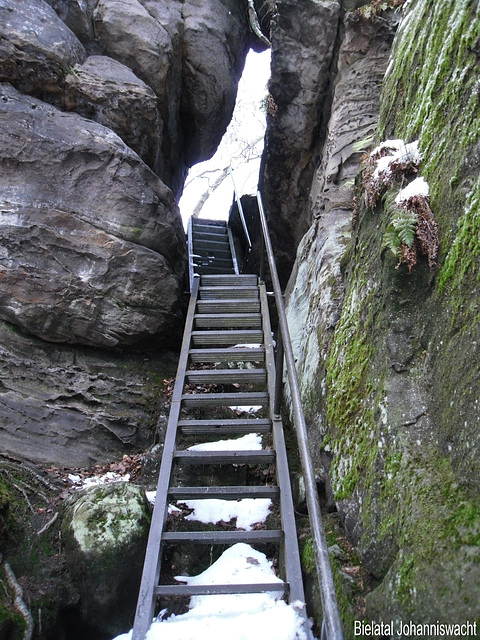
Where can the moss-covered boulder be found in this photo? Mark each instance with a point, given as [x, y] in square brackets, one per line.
[105, 529]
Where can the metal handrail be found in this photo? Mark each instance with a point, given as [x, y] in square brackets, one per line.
[332, 629]
[240, 210]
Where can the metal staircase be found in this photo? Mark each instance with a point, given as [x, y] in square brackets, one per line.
[225, 310]
[227, 360]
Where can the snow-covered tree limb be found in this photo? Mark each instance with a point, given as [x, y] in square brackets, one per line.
[255, 25]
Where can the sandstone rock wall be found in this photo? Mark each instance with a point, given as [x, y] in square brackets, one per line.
[103, 106]
[388, 359]
[304, 41]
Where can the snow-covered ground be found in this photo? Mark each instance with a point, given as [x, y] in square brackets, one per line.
[233, 617]
[238, 616]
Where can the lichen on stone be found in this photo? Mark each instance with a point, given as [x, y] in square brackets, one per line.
[108, 517]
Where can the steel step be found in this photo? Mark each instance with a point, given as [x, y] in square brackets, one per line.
[225, 427]
[222, 320]
[233, 354]
[209, 236]
[226, 376]
[207, 222]
[219, 589]
[201, 263]
[219, 253]
[243, 305]
[211, 245]
[229, 280]
[202, 256]
[203, 224]
[212, 269]
[233, 337]
[223, 493]
[249, 398]
[262, 456]
[238, 291]
[209, 228]
[223, 537]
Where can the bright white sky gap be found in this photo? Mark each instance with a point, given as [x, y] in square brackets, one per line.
[241, 147]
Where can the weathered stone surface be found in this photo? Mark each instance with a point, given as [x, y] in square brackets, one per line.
[63, 280]
[36, 48]
[105, 529]
[388, 359]
[304, 38]
[172, 168]
[106, 91]
[76, 407]
[189, 53]
[127, 32]
[211, 70]
[84, 221]
[315, 292]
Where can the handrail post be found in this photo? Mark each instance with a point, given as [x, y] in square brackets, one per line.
[262, 259]
[331, 615]
[277, 402]
[240, 211]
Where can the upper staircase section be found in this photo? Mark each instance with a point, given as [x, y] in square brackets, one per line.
[210, 248]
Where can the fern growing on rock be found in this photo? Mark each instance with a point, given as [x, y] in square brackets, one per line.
[400, 237]
[413, 230]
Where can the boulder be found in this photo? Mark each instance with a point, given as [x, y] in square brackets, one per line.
[191, 54]
[78, 16]
[105, 531]
[93, 245]
[36, 48]
[108, 92]
[127, 32]
[211, 69]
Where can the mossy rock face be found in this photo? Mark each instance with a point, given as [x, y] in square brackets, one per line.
[399, 371]
[105, 530]
[401, 405]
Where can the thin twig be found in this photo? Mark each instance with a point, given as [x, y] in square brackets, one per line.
[19, 603]
[24, 494]
[48, 525]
